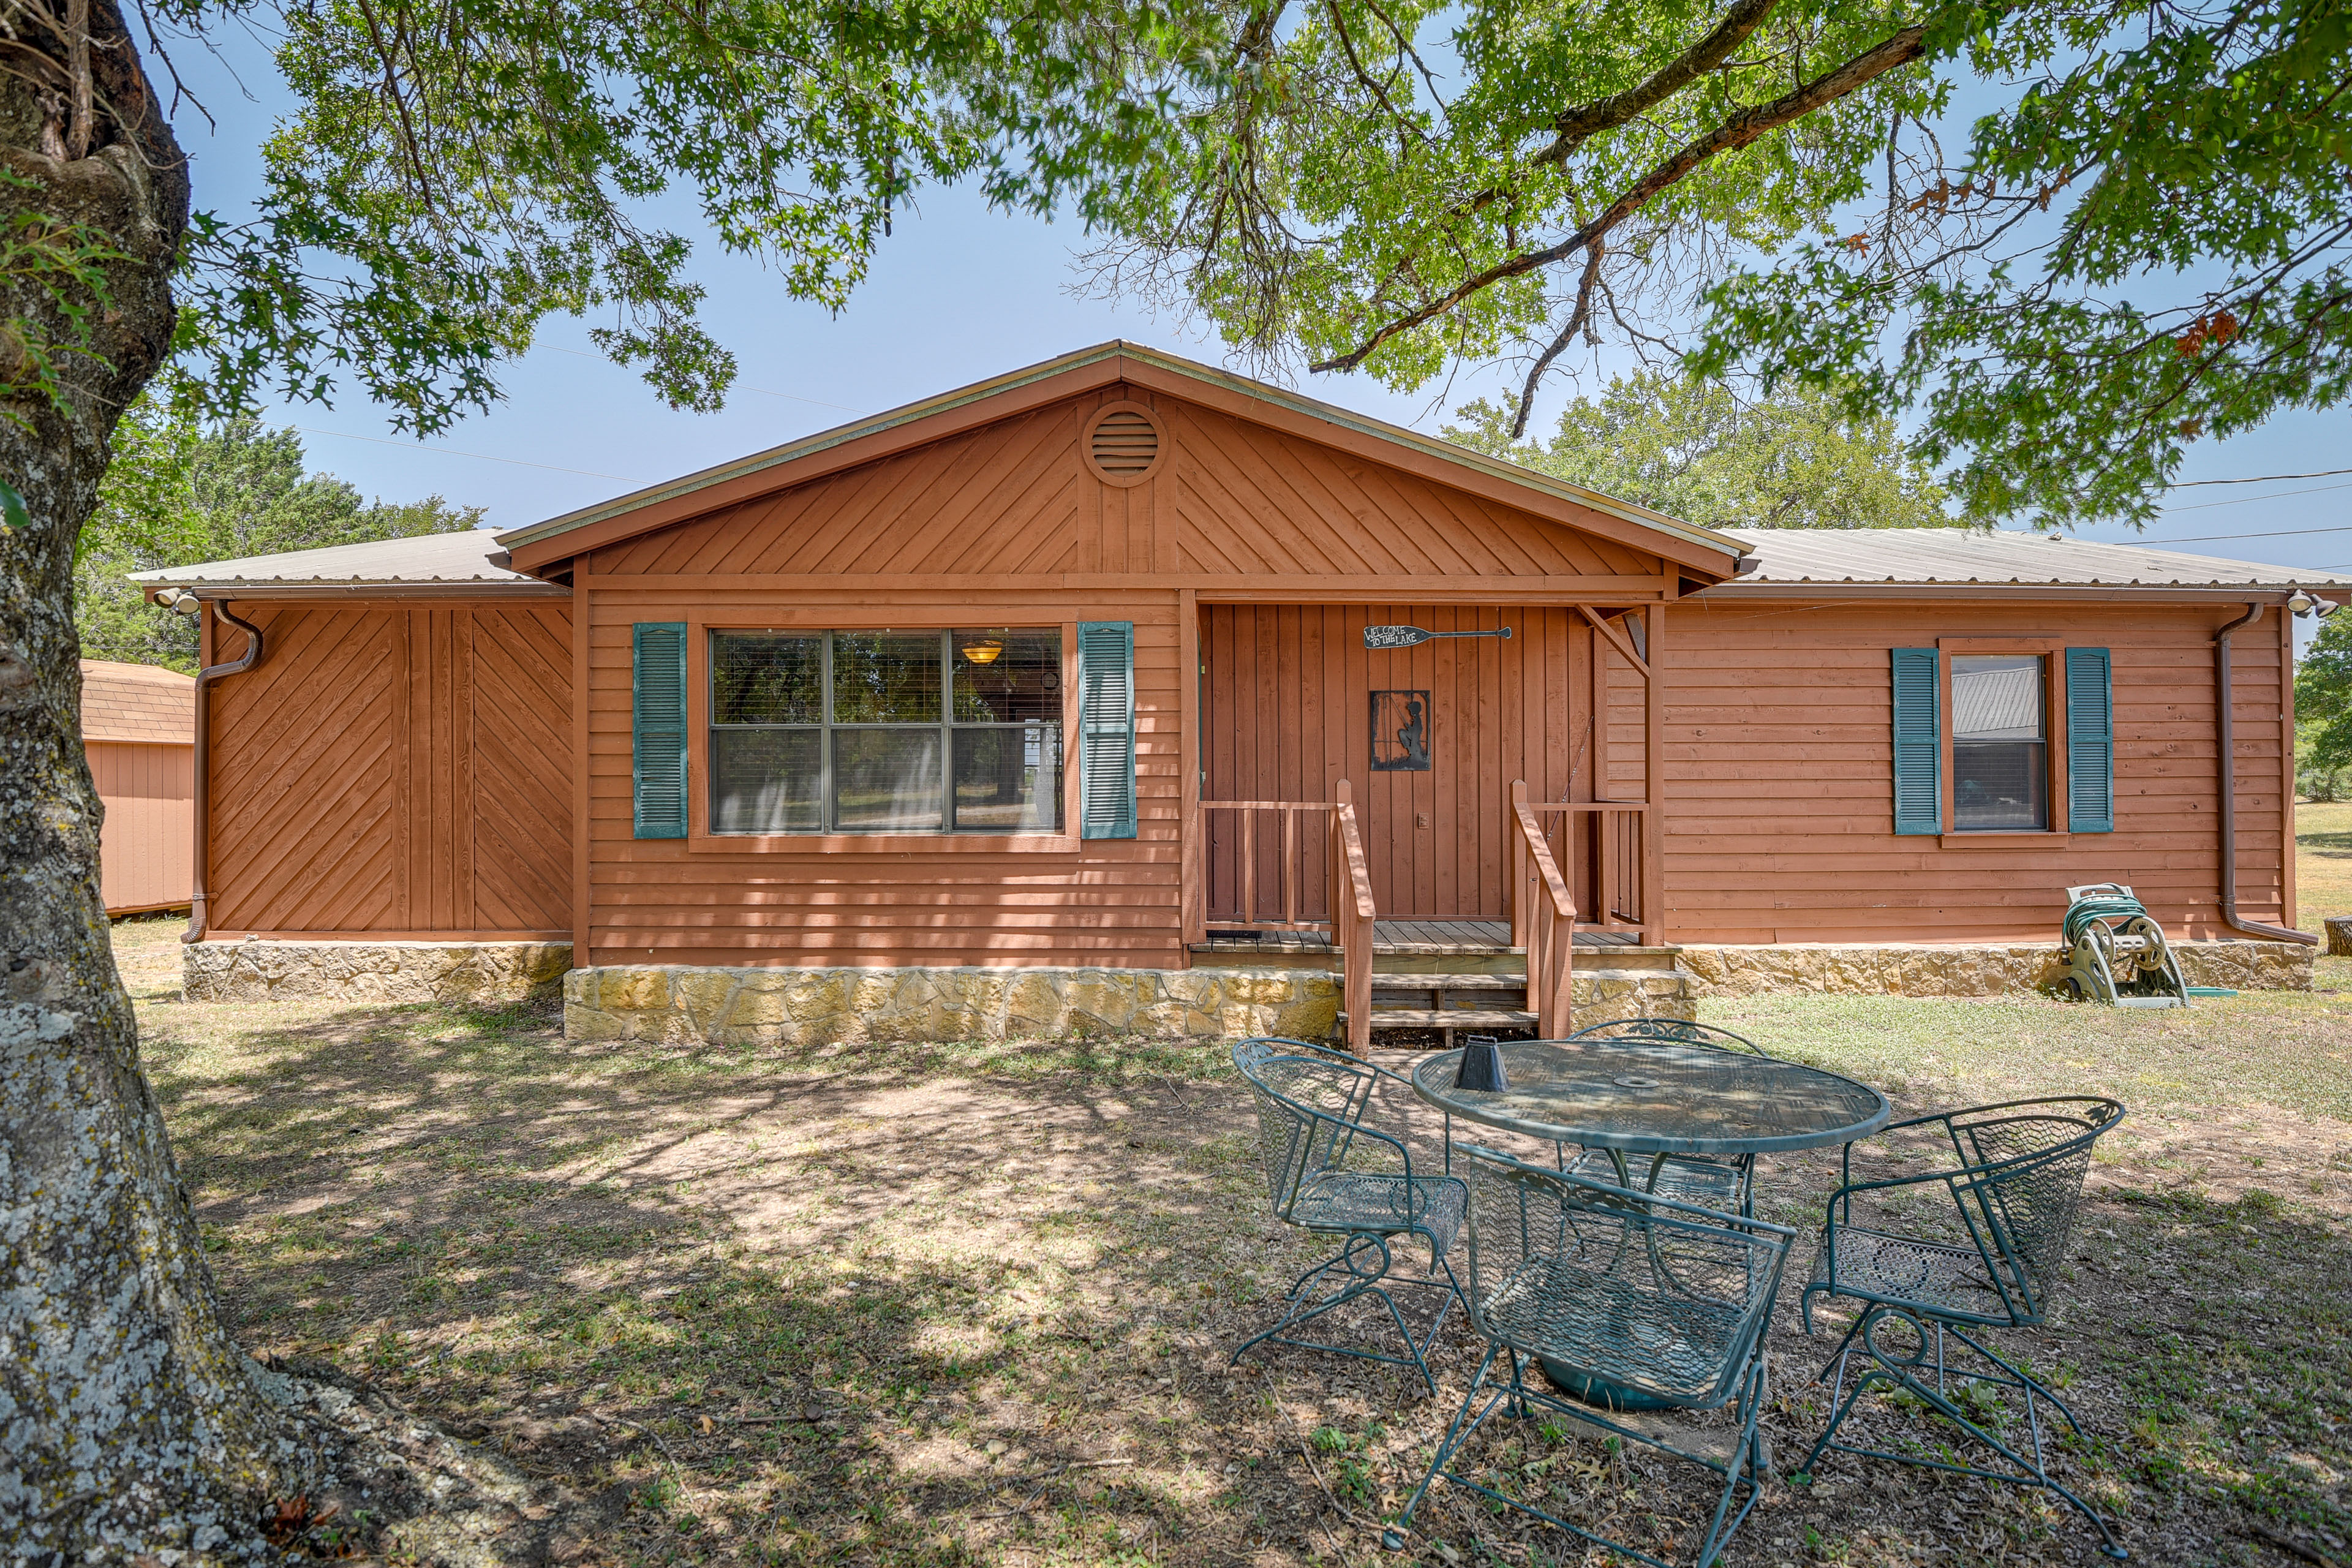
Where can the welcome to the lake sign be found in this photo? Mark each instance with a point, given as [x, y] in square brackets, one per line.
[1413, 636]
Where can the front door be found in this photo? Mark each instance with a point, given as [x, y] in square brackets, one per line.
[1430, 737]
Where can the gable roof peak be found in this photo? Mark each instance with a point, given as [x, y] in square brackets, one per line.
[1105, 364]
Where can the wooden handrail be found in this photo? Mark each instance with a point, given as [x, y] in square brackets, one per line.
[1549, 928]
[1354, 920]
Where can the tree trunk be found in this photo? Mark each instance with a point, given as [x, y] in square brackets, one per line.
[129, 1420]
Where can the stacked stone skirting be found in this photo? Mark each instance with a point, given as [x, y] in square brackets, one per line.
[258, 971]
[1985, 970]
[680, 1004]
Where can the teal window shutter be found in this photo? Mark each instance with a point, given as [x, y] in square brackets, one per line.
[2090, 741]
[1918, 740]
[657, 728]
[1106, 728]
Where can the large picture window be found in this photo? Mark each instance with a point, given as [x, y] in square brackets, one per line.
[888, 731]
[2000, 748]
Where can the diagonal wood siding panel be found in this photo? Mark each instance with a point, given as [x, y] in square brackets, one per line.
[395, 768]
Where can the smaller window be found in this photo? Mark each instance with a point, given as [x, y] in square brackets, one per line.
[2000, 751]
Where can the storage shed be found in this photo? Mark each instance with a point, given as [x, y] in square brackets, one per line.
[138, 728]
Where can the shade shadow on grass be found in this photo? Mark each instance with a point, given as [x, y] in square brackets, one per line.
[780, 1306]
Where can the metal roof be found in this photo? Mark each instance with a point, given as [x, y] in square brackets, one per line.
[469, 562]
[1118, 348]
[1948, 557]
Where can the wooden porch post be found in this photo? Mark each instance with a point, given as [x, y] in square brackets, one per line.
[1194, 871]
[1654, 762]
[1514, 869]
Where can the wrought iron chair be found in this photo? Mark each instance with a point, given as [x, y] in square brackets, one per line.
[1705, 1180]
[1329, 1173]
[1631, 1298]
[2016, 1187]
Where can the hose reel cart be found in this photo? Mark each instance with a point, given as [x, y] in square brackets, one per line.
[2115, 951]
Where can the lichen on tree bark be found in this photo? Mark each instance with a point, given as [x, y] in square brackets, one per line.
[129, 1420]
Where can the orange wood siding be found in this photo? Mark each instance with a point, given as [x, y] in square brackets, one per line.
[1006, 524]
[917, 899]
[1779, 761]
[1287, 714]
[395, 768]
[144, 847]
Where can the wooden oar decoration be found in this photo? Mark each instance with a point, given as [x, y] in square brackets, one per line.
[1413, 636]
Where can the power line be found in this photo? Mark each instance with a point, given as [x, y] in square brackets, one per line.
[2248, 500]
[2215, 538]
[452, 451]
[2258, 480]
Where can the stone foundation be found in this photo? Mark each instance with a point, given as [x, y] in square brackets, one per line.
[1599, 994]
[1974, 970]
[258, 970]
[680, 1004]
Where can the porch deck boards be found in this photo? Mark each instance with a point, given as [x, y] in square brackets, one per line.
[1404, 937]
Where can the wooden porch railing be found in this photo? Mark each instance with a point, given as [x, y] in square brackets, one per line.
[1606, 851]
[1290, 867]
[1348, 891]
[1543, 917]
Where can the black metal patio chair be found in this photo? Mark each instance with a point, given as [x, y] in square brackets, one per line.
[2015, 1181]
[1330, 1173]
[1708, 1181]
[1634, 1301]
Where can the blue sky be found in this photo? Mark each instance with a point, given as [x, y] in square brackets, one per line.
[959, 294]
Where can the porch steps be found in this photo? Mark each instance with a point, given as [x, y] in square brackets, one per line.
[1450, 975]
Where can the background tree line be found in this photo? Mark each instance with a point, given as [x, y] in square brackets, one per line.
[182, 490]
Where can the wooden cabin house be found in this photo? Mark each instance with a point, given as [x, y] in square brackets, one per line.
[1124, 665]
[137, 730]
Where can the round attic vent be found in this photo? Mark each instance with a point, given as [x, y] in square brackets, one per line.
[1123, 444]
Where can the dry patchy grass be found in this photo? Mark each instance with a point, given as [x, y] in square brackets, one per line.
[960, 1305]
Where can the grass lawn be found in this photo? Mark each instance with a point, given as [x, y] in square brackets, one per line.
[2323, 862]
[963, 1305]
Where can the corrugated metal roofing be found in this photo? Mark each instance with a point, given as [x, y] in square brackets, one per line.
[1952, 557]
[1997, 697]
[136, 702]
[475, 557]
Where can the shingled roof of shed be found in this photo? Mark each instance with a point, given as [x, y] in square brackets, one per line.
[136, 702]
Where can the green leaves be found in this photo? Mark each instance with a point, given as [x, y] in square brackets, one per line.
[2323, 695]
[1405, 188]
[177, 492]
[1696, 452]
[459, 170]
[2151, 246]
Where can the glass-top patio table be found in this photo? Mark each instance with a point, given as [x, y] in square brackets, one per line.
[1657, 1098]
[1643, 1102]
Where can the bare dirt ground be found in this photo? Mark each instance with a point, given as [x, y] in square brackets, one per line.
[964, 1305]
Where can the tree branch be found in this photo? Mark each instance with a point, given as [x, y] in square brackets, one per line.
[1738, 131]
[1576, 322]
[1576, 126]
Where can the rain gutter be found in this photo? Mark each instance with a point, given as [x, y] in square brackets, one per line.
[205, 679]
[2225, 731]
